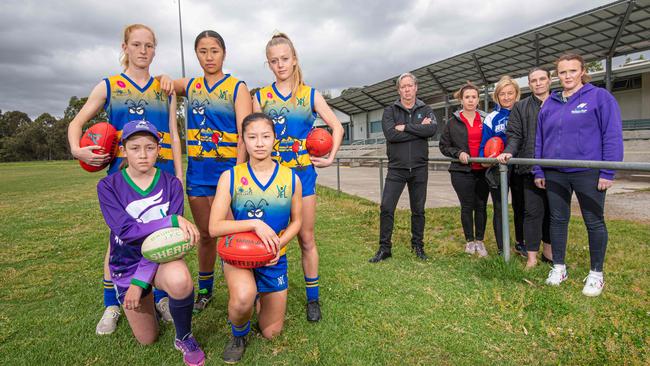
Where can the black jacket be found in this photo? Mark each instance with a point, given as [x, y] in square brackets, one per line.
[408, 149]
[522, 126]
[453, 140]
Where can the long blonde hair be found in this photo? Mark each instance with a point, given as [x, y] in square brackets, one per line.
[281, 38]
[124, 59]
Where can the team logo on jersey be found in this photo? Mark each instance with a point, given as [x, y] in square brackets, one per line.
[136, 108]
[301, 101]
[281, 280]
[148, 209]
[223, 94]
[198, 85]
[245, 192]
[244, 181]
[255, 211]
[282, 192]
[121, 84]
[280, 121]
[269, 95]
[580, 108]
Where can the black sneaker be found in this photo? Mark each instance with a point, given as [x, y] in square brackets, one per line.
[234, 350]
[521, 250]
[202, 300]
[380, 256]
[313, 311]
[419, 252]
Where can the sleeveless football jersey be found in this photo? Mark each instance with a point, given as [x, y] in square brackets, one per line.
[270, 203]
[292, 122]
[211, 129]
[126, 102]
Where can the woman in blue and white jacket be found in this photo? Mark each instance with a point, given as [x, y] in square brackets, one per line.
[506, 94]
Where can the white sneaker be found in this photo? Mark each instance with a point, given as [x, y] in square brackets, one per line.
[593, 286]
[470, 247]
[163, 310]
[556, 276]
[480, 249]
[108, 323]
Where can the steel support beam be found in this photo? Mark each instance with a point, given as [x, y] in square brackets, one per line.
[373, 98]
[537, 49]
[621, 28]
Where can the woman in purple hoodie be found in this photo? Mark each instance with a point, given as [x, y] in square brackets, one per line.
[579, 122]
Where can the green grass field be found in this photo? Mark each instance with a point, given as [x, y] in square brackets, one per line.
[451, 310]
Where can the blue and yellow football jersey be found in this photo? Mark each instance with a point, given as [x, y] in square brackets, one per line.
[211, 129]
[126, 102]
[270, 203]
[292, 122]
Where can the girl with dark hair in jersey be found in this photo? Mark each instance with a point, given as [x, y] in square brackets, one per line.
[276, 219]
[216, 105]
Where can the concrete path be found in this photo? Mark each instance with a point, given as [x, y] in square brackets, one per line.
[629, 198]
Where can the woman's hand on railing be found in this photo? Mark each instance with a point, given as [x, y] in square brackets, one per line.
[504, 157]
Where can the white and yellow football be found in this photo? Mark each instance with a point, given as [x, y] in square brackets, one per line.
[166, 245]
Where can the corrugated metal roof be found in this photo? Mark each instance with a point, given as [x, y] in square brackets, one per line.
[615, 29]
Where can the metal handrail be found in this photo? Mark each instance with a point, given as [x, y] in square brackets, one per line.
[503, 177]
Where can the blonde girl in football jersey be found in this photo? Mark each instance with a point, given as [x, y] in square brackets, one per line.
[128, 96]
[293, 106]
[276, 193]
[217, 103]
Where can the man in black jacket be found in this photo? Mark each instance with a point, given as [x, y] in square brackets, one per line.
[407, 125]
[522, 126]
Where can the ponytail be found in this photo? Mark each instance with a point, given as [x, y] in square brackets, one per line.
[281, 38]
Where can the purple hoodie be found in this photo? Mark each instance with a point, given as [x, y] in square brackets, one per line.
[587, 126]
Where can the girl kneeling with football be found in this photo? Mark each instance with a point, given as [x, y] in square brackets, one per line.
[265, 197]
[136, 201]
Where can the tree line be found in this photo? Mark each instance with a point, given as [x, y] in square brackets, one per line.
[46, 137]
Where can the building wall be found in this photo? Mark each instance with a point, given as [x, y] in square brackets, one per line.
[630, 103]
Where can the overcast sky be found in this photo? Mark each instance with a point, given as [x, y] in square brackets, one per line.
[52, 50]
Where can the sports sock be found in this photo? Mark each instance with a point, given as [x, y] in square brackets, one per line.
[158, 295]
[312, 288]
[242, 330]
[110, 295]
[598, 275]
[181, 310]
[206, 282]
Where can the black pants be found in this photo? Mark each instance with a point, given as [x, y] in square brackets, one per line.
[536, 214]
[560, 187]
[517, 190]
[416, 179]
[472, 191]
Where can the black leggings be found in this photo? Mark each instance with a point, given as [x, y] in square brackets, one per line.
[517, 191]
[560, 187]
[472, 190]
[536, 214]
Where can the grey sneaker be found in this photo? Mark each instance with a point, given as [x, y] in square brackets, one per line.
[202, 300]
[470, 247]
[480, 249]
[162, 307]
[234, 350]
[108, 323]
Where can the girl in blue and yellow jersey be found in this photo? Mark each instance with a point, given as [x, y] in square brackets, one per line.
[265, 197]
[217, 103]
[293, 106]
[129, 96]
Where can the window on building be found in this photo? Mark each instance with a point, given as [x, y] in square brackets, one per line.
[375, 126]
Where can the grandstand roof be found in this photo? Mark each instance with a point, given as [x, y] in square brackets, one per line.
[615, 29]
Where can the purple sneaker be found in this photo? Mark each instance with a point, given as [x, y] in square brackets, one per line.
[192, 353]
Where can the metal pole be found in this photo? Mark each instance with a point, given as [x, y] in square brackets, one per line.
[180, 27]
[608, 73]
[505, 224]
[381, 178]
[187, 115]
[485, 106]
[338, 175]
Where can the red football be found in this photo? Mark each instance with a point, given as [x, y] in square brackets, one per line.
[243, 250]
[101, 134]
[319, 142]
[493, 147]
